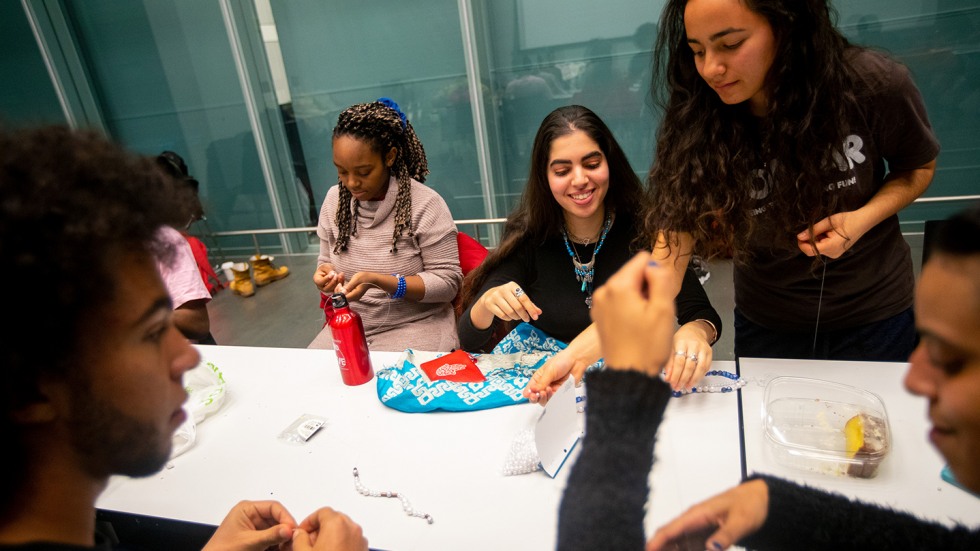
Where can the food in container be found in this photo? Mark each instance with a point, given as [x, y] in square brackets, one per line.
[826, 427]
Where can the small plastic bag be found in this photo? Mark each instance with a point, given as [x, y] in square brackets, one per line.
[205, 387]
[302, 429]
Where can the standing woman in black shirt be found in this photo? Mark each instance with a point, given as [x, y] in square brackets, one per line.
[793, 150]
[578, 221]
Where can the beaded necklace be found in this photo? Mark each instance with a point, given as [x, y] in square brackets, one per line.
[737, 383]
[585, 271]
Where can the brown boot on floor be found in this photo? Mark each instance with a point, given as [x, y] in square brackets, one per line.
[266, 272]
[242, 284]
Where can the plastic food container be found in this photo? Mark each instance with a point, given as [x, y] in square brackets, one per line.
[825, 427]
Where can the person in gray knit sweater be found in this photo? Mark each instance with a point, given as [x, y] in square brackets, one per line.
[602, 507]
[386, 240]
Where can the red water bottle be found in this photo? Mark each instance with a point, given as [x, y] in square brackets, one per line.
[349, 343]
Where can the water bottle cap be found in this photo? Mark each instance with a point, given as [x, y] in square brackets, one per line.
[339, 300]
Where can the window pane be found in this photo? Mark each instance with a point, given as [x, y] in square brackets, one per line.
[939, 41]
[27, 96]
[338, 53]
[166, 80]
[550, 53]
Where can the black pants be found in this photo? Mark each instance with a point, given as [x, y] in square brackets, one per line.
[888, 340]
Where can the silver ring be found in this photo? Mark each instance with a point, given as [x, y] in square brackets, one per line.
[679, 353]
[693, 358]
[518, 292]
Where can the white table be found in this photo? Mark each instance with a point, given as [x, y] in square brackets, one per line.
[908, 478]
[447, 464]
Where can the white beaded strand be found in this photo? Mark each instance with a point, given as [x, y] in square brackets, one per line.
[406, 505]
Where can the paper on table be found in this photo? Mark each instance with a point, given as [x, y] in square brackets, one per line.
[558, 429]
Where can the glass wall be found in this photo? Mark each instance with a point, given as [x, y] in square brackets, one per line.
[939, 41]
[194, 77]
[27, 96]
[337, 53]
[166, 80]
[546, 53]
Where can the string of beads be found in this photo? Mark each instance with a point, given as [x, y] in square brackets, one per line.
[737, 383]
[406, 505]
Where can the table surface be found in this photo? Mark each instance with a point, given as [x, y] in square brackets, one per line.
[447, 464]
[908, 478]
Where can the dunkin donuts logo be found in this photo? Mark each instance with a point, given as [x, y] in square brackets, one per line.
[449, 369]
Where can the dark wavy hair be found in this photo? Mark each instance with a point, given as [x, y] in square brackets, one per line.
[706, 151]
[382, 125]
[71, 204]
[538, 216]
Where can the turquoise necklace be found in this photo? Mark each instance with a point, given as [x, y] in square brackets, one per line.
[585, 271]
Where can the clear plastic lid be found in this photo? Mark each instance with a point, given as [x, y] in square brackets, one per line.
[826, 426]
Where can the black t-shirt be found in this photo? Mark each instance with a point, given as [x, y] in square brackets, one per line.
[546, 273]
[874, 280]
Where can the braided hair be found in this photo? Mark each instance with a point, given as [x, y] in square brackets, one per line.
[383, 126]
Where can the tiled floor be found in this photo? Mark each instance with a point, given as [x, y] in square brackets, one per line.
[286, 313]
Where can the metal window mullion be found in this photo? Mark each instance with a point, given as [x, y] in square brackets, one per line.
[480, 127]
[254, 117]
[64, 64]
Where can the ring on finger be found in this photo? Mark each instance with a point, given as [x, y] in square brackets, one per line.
[680, 353]
[693, 358]
[518, 292]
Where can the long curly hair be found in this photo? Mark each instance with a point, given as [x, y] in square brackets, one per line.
[71, 204]
[538, 215]
[382, 125]
[710, 156]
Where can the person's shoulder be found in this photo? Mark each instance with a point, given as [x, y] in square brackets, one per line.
[170, 235]
[421, 190]
[875, 72]
[425, 196]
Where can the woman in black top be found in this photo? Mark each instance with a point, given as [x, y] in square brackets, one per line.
[578, 221]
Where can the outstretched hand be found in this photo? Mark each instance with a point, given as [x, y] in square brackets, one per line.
[550, 376]
[725, 519]
[253, 526]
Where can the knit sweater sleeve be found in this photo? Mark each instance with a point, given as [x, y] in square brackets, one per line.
[801, 517]
[603, 504]
[435, 233]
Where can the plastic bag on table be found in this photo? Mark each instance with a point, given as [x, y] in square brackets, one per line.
[206, 391]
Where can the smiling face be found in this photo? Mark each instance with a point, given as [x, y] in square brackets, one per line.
[361, 169]
[125, 400]
[733, 50]
[578, 176]
[945, 367]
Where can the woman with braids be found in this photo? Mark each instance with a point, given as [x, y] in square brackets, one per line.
[577, 223]
[387, 241]
[793, 150]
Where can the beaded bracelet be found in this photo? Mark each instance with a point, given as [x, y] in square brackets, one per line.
[402, 287]
[737, 383]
